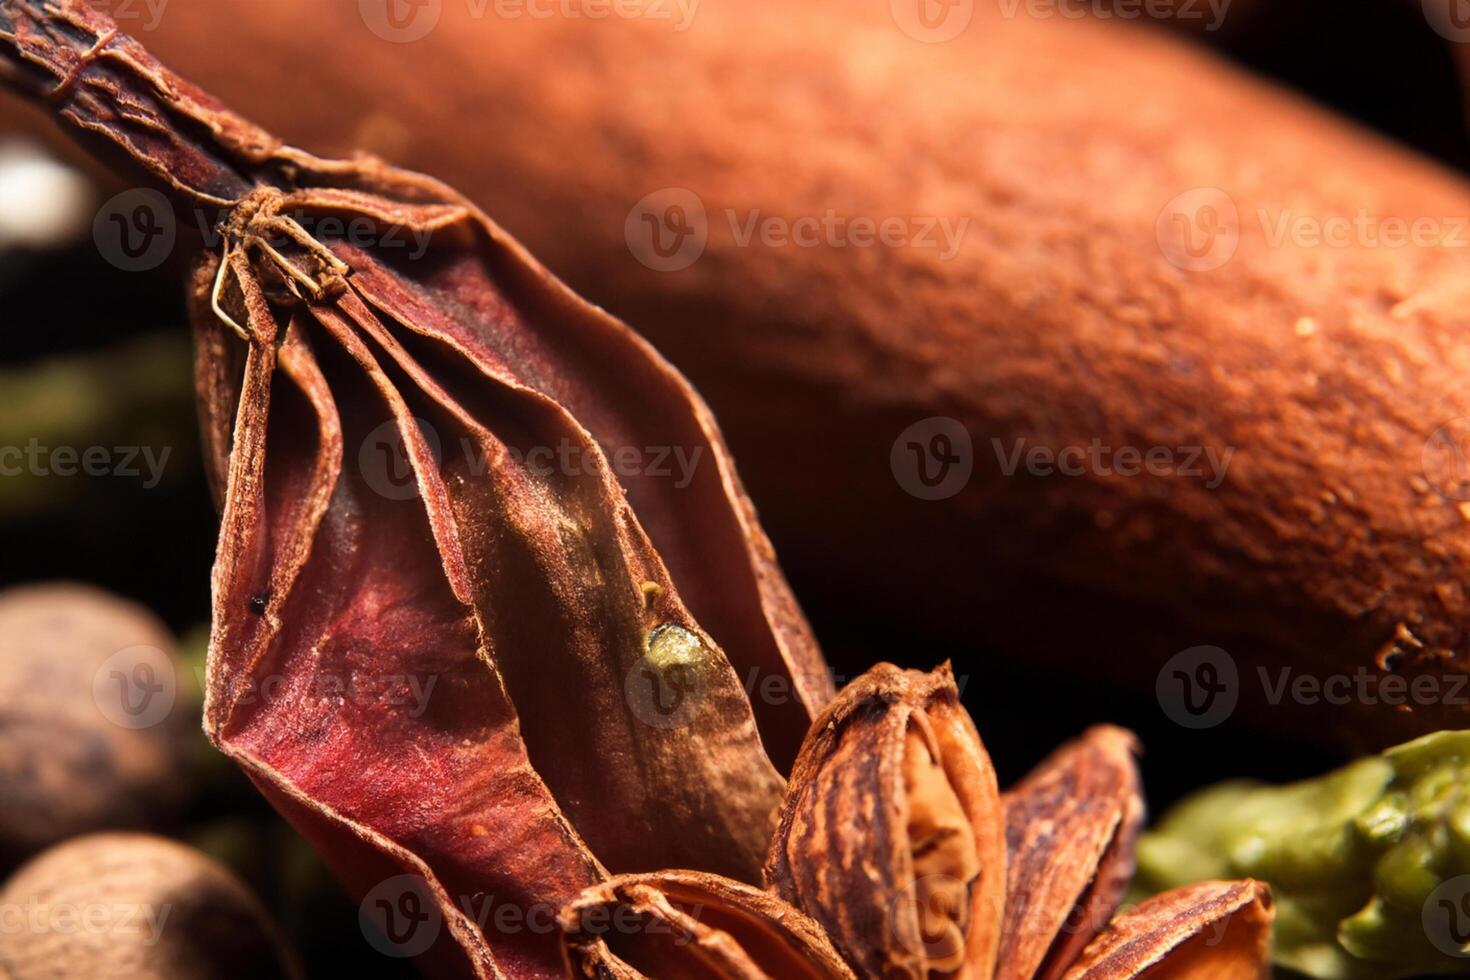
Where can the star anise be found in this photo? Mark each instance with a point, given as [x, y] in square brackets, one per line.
[897, 857]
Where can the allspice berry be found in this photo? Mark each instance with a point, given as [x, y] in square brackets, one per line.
[91, 736]
[127, 906]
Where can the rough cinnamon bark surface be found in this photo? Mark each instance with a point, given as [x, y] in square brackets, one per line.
[438, 653]
[1057, 321]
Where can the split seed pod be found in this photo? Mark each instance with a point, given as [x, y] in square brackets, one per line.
[686, 924]
[1216, 930]
[1071, 828]
[894, 839]
[892, 831]
[448, 639]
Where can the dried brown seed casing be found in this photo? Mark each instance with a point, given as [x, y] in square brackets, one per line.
[891, 833]
[1070, 830]
[687, 924]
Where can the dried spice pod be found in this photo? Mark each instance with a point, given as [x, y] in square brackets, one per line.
[894, 839]
[82, 746]
[1215, 930]
[891, 833]
[1071, 827]
[1057, 319]
[449, 640]
[688, 924]
[135, 907]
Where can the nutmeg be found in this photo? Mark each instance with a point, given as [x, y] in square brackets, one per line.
[91, 729]
[125, 906]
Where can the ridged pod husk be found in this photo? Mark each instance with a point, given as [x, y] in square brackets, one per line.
[891, 835]
[1071, 826]
[894, 838]
[437, 649]
[687, 924]
[1215, 930]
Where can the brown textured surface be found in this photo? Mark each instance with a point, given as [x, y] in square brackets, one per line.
[842, 852]
[1214, 930]
[1055, 854]
[1070, 830]
[1058, 321]
[135, 907]
[66, 768]
[687, 924]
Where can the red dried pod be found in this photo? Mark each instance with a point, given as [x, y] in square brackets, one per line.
[488, 592]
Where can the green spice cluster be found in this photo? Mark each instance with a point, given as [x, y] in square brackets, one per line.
[1370, 864]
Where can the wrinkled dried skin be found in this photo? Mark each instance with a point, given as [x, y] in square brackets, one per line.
[1210, 931]
[430, 658]
[891, 833]
[1071, 826]
[691, 925]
